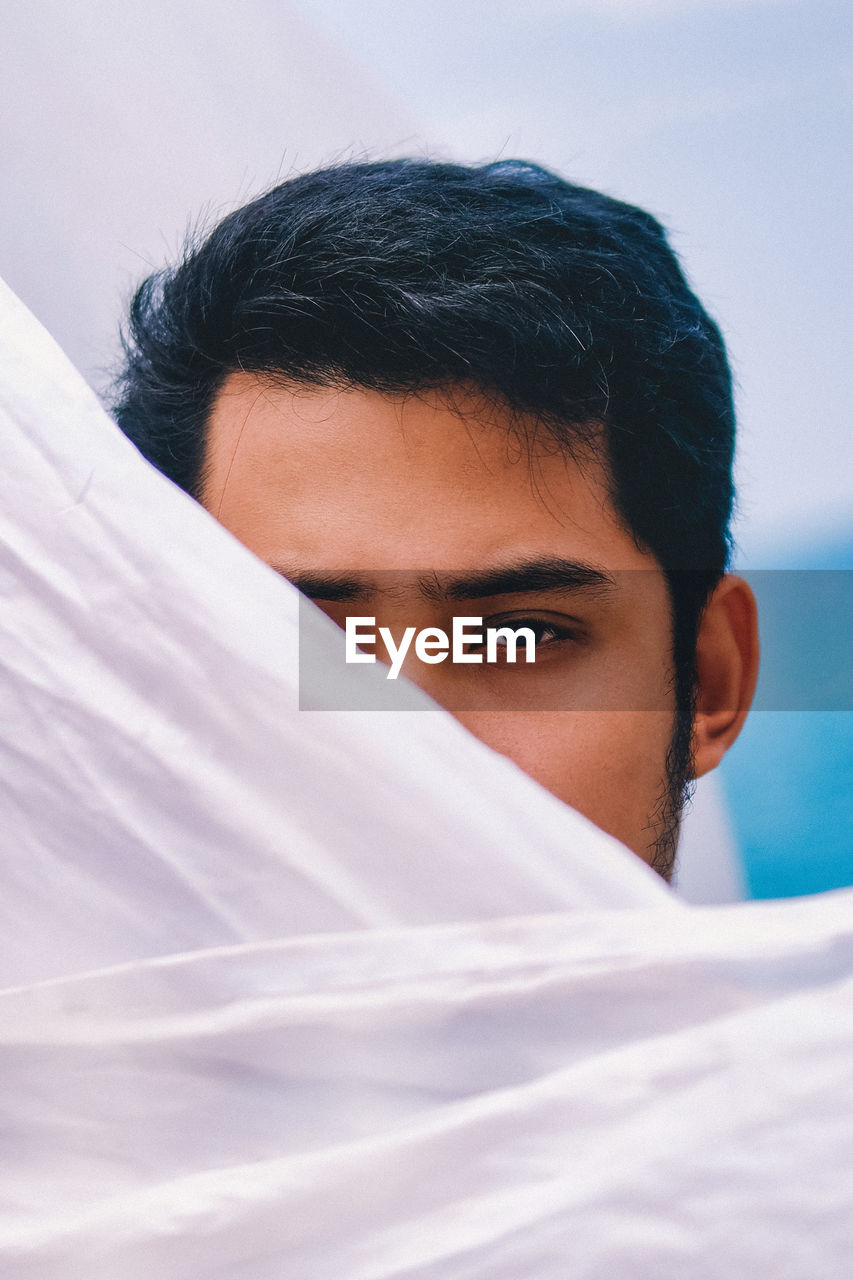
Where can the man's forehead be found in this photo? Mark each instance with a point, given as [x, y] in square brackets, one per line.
[459, 427]
[347, 477]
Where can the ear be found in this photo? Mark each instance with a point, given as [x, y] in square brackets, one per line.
[726, 671]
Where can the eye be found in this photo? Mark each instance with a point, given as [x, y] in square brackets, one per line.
[545, 632]
[551, 635]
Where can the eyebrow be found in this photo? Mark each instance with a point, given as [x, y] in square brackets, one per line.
[335, 586]
[525, 578]
[529, 577]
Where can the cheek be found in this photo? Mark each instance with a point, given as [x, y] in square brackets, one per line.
[610, 765]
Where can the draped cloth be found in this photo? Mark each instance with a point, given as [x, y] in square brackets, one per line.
[324, 994]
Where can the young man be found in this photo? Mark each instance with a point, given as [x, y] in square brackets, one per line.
[422, 390]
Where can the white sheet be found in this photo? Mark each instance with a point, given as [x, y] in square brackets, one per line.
[333, 995]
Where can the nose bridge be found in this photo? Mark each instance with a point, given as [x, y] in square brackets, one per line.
[416, 600]
[400, 603]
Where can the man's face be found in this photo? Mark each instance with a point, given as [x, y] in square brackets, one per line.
[415, 509]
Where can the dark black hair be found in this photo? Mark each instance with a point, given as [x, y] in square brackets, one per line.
[406, 275]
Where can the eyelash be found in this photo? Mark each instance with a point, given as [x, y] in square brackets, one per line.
[558, 632]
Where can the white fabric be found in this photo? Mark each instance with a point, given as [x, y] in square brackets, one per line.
[318, 994]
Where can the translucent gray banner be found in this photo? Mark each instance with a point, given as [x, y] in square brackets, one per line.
[602, 642]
